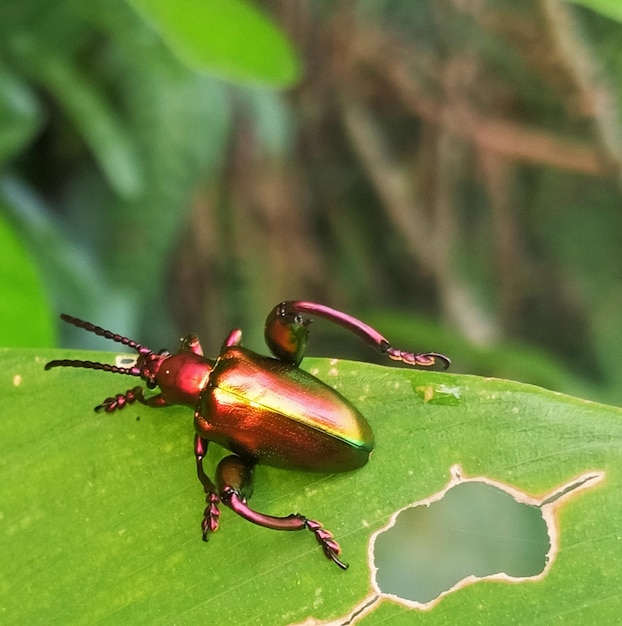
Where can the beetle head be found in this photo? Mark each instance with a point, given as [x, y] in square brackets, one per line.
[148, 365]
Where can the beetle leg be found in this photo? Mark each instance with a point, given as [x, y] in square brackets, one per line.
[191, 343]
[211, 512]
[234, 338]
[234, 476]
[135, 394]
[287, 334]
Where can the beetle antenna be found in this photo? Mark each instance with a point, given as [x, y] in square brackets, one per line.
[91, 365]
[106, 334]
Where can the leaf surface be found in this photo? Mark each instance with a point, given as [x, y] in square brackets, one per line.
[231, 39]
[100, 514]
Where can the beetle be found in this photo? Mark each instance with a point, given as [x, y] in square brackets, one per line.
[264, 410]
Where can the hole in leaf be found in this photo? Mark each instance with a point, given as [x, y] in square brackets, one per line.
[474, 530]
[125, 360]
[471, 530]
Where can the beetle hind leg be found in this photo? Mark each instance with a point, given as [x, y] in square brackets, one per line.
[287, 334]
[234, 476]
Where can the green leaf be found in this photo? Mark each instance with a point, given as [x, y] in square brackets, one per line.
[75, 279]
[20, 114]
[25, 317]
[608, 8]
[229, 38]
[99, 514]
[86, 104]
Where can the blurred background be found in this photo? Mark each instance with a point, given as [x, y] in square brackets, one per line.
[448, 170]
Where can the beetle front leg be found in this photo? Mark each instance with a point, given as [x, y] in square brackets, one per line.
[211, 512]
[287, 333]
[234, 476]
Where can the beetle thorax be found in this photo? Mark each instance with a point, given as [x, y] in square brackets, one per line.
[182, 377]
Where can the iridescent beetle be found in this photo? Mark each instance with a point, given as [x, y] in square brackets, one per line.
[262, 409]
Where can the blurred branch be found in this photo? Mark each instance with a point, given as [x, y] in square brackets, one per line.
[498, 175]
[597, 97]
[393, 185]
[421, 94]
[428, 234]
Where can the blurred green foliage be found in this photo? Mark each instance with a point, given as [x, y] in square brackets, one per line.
[230, 39]
[170, 167]
[105, 135]
[26, 319]
[610, 8]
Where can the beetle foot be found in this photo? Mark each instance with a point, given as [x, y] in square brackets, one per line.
[325, 538]
[121, 399]
[210, 515]
[413, 358]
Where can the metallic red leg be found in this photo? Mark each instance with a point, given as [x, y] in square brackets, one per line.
[209, 524]
[135, 394]
[235, 484]
[287, 334]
